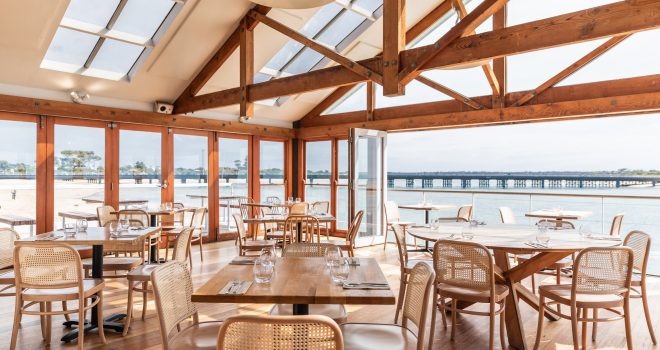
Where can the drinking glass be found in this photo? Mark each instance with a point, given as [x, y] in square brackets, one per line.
[332, 256]
[585, 231]
[263, 271]
[69, 229]
[542, 236]
[290, 200]
[124, 225]
[114, 229]
[267, 255]
[340, 271]
[81, 225]
[467, 233]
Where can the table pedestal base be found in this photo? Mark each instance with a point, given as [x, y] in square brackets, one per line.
[300, 309]
[108, 323]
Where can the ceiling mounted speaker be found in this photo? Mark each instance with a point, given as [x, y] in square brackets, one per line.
[292, 4]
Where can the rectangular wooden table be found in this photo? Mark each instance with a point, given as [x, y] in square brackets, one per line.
[77, 215]
[99, 238]
[559, 215]
[298, 281]
[427, 208]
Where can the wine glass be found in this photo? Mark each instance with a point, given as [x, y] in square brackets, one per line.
[263, 271]
[69, 230]
[542, 236]
[81, 225]
[585, 231]
[340, 271]
[124, 225]
[113, 227]
[332, 256]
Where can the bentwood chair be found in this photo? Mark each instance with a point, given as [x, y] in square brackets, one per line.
[172, 285]
[464, 214]
[601, 280]
[465, 272]
[299, 209]
[139, 278]
[640, 243]
[197, 224]
[303, 226]
[140, 218]
[394, 336]
[310, 250]
[7, 276]
[323, 207]
[53, 273]
[348, 245]
[406, 265]
[507, 216]
[393, 217]
[617, 221]
[245, 246]
[105, 215]
[248, 332]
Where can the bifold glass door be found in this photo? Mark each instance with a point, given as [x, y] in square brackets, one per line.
[367, 182]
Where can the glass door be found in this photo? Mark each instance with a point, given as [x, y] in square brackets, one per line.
[367, 187]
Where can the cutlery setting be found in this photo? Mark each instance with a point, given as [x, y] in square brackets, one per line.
[536, 244]
[366, 285]
[236, 287]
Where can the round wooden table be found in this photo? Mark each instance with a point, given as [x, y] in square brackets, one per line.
[506, 239]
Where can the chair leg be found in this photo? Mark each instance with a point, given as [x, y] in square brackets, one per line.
[443, 310]
[42, 319]
[575, 313]
[585, 315]
[81, 326]
[491, 327]
[167, 248]
[533, 277]
[434, 311]
[387, 230]
[558, 281]
[64, 308]
[144, 299]
[129, 308]
[626, 310]
[594, 326]
[402, 292]
[502, 329]
[453, 318]
[647, 314]
[539, 329]
[99, 318]
[190, 254]
[18, 308]
[49, 322]
[201, 247]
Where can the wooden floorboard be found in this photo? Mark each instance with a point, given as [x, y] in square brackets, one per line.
[471, 332]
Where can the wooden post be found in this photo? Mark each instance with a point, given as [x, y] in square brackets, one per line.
[247, 68]
[371, 100]
[499, 64]
[394, 41]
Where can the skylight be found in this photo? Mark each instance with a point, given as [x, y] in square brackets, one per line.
[336, 25]
[108, 38]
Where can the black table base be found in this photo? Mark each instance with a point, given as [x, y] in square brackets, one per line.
[109, 323]
[300, 309]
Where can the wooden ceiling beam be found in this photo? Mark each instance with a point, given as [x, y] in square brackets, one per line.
[37, 106]
[603, 21]
[570, 70]
[499, 63]
[355, 67]
[580, 109]
[371, 100]
[219, 57]
[246, 108]
[609, 88]
[394, 41]
[449, 92]
[467, 25]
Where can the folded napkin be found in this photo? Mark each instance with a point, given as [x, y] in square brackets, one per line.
[242, 261]
[366, 285]
[604, 238]
[236, 287]
[47, 238]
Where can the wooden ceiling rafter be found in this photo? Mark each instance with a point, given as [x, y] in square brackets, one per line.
[246, 47]
[319, 47]
[573, 68]
[219, 57]
[466, 25]
[499, 63]
[580, 26]
[449, 92]
[394, 41]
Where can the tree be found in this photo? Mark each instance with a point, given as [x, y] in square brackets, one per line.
[139, 167]
[77, 161]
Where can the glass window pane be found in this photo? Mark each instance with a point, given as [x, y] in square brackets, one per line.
[114, 60]
[191, 186]
[79, 171]
[341, 28]
[90, 14]
[369, 5]
[468, 81]
[342, 188]
[318, 165]
[139, 168]
[18, 168]
[355, 101]
[304, 62]
[416, 92]
[233, 155]
[271, 172]
[69, 50]
[140, 19]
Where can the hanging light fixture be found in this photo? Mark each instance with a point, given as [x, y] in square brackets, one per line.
[292, 4]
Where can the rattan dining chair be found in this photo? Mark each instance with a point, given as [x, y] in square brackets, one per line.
[393, 217]
[337, 312]
[308, 226]
[348, 245]
[406, 264]
[249, 332]
[7, 276]
[393, 336]
[617, 221]
[197, 224]
[322, 207]
[465, 272]
[507, 216]
[140, 218]
[640, 243]
[47, 273]
[245, 246]
[601, 280]
[139, 278]
[464, 214]
[299, 208]
[105, 215]
[172, 286]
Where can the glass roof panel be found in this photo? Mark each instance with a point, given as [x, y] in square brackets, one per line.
[286, 53]
[91, 15]
[303, 62]
[69, 50]
[356, 100]
[320, 19]
[114, 60]
[140, 19]
[369, 5]
[341, 28]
